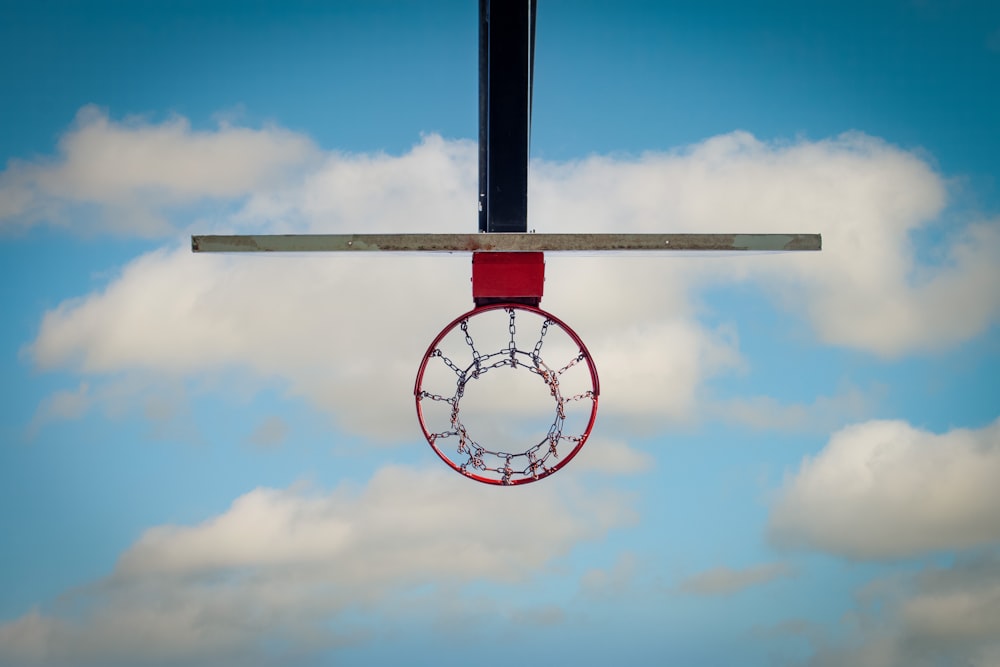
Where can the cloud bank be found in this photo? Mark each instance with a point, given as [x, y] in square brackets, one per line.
[939, 616]
[726, 581]
[884, 489]
[337, 330]
[284, 573]
[125, 176]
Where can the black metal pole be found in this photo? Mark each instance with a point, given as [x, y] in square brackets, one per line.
[484, 96]
[506, 59]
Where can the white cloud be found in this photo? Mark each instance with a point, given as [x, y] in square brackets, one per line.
[536, 617]
[132, 171]
[161, 400]
[346, 333]
[404, 522]
[612, 457]
[431, 188]
[726, 581]
[281, 567]
[921, 307]
[941, 616]
[618, 580]
[867, 289]
[63, 404]
[884, 489]
[271, 432]
[822, 415]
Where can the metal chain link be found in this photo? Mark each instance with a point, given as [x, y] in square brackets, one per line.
[468, 341]
[536, 353]
[580, 357]
[448, 362]
[436, 397]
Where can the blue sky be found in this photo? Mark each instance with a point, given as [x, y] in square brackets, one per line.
[210, 460]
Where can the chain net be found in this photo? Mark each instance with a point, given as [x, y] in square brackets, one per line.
[458, 362]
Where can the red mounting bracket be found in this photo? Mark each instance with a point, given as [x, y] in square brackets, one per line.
[515, 277]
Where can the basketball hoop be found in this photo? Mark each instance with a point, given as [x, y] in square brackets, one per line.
[463, 356]
[508, 273]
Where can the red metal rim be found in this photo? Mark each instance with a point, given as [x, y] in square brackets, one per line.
[566, 458]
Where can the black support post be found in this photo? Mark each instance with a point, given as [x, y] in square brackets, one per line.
[506, 62]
